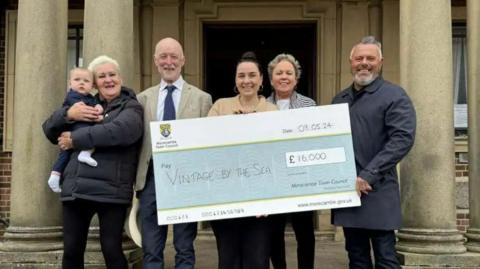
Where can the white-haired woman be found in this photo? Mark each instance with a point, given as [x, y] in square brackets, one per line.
[107, 189]
[284, 72]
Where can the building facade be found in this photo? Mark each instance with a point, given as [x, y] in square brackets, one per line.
[423, 41]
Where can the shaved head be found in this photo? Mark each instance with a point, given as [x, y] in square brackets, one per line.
[168, 42]
[169, 59]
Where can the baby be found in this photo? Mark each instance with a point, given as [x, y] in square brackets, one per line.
[81, 84]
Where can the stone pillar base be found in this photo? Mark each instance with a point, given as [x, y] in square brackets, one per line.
[42, 248]
[28, 239]
[451, 261]
[53, 260]
[431, 241]
[473, 237]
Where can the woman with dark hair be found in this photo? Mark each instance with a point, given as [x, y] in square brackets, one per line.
[243, 243]
[248, 82]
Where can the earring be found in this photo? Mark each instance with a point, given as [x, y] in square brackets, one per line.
[260, 89]
[235, 90]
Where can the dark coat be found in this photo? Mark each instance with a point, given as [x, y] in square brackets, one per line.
[383, 131]
[116, 141]
[73, 97]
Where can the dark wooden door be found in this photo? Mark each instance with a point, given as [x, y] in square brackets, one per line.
[225, 43]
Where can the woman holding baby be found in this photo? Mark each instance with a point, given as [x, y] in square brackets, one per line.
[106, 189]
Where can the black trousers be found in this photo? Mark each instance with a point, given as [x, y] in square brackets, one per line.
[77, 215]
[242, 243]
[302, 223]
[359, 242]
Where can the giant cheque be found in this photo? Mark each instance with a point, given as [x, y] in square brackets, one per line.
[253, 164]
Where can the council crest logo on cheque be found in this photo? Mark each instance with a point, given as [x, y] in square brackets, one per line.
[165, 130]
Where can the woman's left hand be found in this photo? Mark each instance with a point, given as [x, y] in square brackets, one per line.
[65, 141]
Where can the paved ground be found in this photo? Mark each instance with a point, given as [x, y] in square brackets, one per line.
[329, 255]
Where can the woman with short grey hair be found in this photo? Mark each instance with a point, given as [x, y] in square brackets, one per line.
[284, 72]
[107, 189]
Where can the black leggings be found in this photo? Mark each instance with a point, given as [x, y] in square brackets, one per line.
[77, 215]
[242, 243]
[302, 223]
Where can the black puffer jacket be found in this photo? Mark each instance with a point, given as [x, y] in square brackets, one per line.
[116, 141]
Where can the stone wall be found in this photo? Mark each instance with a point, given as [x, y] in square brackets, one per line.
[461, 173]
[462, 220]
[461, 164]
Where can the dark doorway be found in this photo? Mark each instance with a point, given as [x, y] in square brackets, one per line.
[225, 43]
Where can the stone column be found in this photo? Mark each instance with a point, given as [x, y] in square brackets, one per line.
[375, 19]
[354, 26]
[147, 44]
[390, 41]
[34, 233]
[165, 18]
[473, 43]
[428, 172]
[108, 30]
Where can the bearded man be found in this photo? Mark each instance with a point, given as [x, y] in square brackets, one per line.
[383, 126]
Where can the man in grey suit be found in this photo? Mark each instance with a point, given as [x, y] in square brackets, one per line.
[383, 124]
[172, 99]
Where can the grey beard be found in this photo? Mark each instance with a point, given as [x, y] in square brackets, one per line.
[364, 82]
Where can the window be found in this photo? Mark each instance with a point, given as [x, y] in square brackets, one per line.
[460, 79]
[75, 46]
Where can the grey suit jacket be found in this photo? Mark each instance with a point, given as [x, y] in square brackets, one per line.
[194, 103]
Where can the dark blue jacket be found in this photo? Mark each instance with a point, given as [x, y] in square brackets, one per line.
[75, 97]
[383, 125]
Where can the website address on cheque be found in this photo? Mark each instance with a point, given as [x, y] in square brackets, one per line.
[326, 203]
